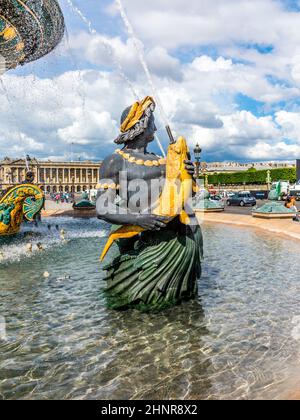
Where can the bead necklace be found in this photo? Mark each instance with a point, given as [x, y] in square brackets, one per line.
[132, 159]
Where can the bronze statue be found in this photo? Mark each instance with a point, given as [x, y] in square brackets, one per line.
[160, 243]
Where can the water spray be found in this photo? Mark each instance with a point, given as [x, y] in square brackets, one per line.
[140, 50]
[11, 109]
[17, 124]
[106, 44]
[117, 63]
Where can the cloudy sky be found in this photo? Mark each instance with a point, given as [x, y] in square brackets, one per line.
[227, 73]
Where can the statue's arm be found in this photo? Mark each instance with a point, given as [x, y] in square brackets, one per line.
[110, 206]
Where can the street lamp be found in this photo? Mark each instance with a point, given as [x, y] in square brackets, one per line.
[197, 153]
[206, 185]
[73, 189]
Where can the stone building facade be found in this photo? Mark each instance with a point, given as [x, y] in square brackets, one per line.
[51, 176]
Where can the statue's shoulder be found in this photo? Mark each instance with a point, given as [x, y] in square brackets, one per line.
[111, 166]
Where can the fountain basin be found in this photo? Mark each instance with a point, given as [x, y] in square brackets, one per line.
[209, 210]
[204, 204]
[274, 210]
[234, 342]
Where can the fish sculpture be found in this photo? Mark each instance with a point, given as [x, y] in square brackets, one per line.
[176, 192]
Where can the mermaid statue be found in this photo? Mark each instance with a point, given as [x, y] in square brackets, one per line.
[19, 203]
[148, 201]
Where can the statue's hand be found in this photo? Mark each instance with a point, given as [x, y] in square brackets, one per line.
[151, 221]
[189, 167]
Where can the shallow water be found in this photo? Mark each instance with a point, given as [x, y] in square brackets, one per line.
[240, 339]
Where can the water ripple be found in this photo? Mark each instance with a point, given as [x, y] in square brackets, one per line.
[239, 340]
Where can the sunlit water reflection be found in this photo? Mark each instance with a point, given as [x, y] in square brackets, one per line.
[240, 339]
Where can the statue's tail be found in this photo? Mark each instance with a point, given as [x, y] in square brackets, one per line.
[124, 232]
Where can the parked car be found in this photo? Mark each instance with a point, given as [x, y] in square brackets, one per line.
[242, 199]
[260, 195]
[215, 198]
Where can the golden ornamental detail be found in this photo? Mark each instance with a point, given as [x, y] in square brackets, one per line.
[136, 161]
[8, 33]
[112, 186]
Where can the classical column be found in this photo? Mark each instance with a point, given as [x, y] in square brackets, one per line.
[57, 179]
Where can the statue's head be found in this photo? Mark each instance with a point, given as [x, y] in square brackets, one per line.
[138, 122]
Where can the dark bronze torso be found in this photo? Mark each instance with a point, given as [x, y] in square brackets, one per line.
[118, 169]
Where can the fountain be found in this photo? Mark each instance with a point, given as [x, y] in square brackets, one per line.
[273, 209]
[24, 201]
[85, 204]
[160, 243]
[29, 29]
[204, 204]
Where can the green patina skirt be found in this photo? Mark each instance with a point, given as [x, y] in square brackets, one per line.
[156, 269]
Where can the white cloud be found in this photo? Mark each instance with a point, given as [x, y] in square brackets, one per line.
[267, 151]
[88, 127]
[84, 108]
[198, 91]
[290, 124]
[48, 115]
[174, 23]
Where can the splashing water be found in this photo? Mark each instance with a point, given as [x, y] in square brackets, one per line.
[233, 342]
[2, 65]
[2, 328]
[296, 329]
[80, 78]
[106, 44]
[19, 134]
[44, 238]
[17, 126]
[118, 64]
[140, 50]
[6, 94]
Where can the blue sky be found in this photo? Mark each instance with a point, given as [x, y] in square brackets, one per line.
[227, 73]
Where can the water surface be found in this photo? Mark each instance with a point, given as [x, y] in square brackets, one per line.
[239, 339]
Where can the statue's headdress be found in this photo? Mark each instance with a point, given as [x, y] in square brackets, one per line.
[135, 120]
